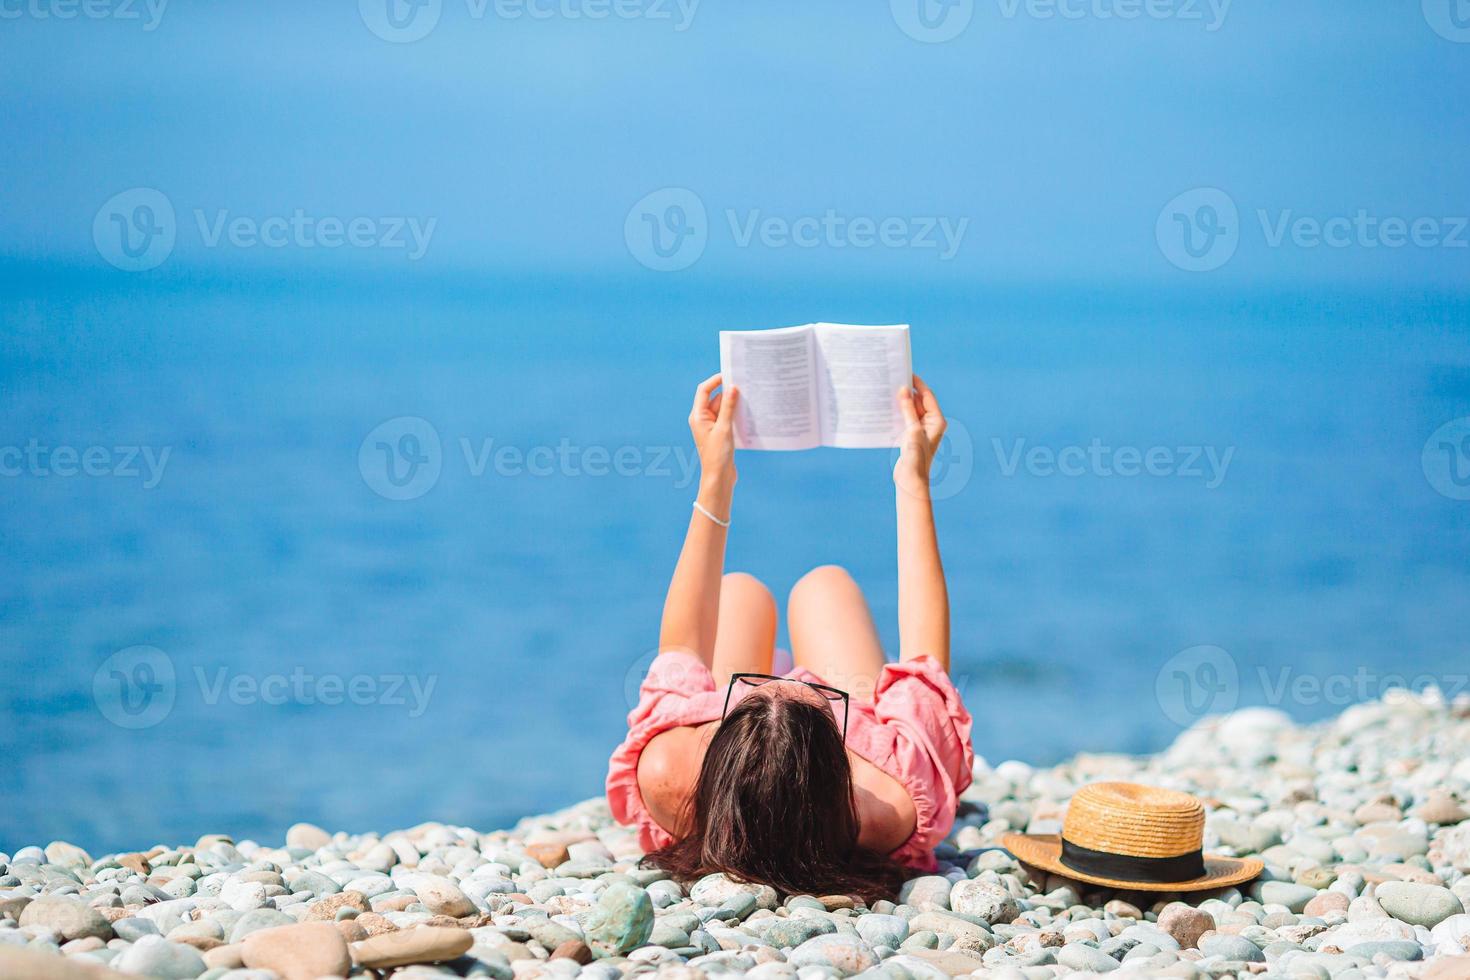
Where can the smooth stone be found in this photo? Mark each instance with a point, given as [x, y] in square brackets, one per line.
[714, 890]
[662, 893]
[940, 921]
[369, 886]
[243, 895]
[65, 855]
[669, 935]
[621, 921]
[926, 893]
[583, 869]
[1185, 924]
[1416, 904]
[1080, 957]
[1441, 808]
[257, 919]
[156, 957]
[951, 961]
[308, 837]
[1446, 968]
[589, 850]
[1313, 847]
[67, 918]
[1316, 878]
[1093, 930]
[227, 957]
[789, 933]
[1400, 949]
[170, 914]
[1452, 936]
[1230, 947]
[1295, 897]
[1400, 845]
[645, 877]
[574, 950]
[984, 900]
[442, 896]
[1327, 902]
[424, 944]
[846, 954]
[20, 963]
[1275, 950]
[544, 891]
[316, 883]
[479, 889]
[198, 929]
[804, 902]
[547, 853]
[908, 967]
[1366, 931]
[379, 857]
[1123, 910]
[132, 929]
[551, 934]
[333, 906]
[180, 887]
[1377, 812]
[738, 906]
[1365, 908]
[12, 905]
[1245, 837]
[298, 952]
[882, 930]
[1144, 951]
[771, 971]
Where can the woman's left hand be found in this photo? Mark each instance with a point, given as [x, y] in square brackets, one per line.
[923, 431]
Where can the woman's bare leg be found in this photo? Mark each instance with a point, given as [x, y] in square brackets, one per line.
[746, 636]
[832, 631]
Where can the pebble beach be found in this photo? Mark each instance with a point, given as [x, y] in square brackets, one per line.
[1361, 821]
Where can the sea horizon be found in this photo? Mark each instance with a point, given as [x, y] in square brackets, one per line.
[1290, 524]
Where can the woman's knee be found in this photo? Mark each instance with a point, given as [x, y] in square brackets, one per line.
[823, 581]
[747, 591]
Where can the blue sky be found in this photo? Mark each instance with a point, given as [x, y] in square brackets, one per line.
[1057, 141]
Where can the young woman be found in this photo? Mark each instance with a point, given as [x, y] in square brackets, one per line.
[835, 776]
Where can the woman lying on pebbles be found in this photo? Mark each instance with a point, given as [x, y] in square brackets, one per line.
[839, 773]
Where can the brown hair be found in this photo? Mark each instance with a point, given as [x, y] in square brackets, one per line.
[774, 806]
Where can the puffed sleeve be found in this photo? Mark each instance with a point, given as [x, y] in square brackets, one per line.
[678, 690]
[917, 701]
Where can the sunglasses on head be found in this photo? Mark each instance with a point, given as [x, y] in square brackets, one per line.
[832, 694]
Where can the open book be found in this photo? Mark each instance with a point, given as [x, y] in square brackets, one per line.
[823, 384]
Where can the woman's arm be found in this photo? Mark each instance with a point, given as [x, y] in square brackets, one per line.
[923, 598]
[692, 607]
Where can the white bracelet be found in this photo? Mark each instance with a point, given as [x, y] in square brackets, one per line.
[712, 517]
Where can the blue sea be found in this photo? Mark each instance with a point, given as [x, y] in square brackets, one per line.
[252, 630]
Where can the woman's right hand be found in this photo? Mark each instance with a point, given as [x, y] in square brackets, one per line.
[924, 427]
[712, 423]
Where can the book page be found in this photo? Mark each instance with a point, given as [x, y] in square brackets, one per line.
[859, 372]
[775, 371]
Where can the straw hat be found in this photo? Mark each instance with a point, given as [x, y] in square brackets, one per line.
[1139, 838]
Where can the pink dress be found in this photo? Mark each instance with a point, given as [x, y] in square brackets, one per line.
[915, 729]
